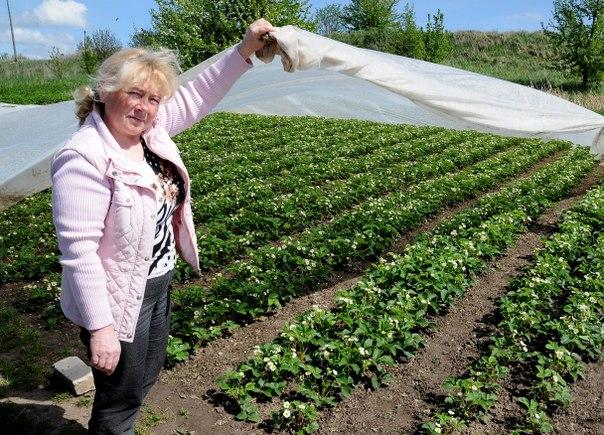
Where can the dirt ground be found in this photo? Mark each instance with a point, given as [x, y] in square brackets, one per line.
[186, 399]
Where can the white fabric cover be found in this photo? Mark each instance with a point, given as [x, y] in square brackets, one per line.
[331, 79]
[449, 92]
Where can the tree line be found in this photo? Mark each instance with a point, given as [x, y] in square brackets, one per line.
[198, 29]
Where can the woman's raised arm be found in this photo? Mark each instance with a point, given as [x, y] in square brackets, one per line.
[196, 98]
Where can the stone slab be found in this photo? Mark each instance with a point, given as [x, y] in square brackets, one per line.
[75, 373]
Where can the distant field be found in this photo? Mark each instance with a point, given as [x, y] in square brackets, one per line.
[520, 57]
[39, 81]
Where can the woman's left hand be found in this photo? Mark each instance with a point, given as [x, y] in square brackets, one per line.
[252, 41]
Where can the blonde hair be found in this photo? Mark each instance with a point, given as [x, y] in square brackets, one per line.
[125, 68]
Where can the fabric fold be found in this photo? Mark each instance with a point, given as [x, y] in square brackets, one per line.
[472, 98]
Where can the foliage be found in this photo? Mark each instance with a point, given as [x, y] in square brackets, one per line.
[88, 56]
[198, 29]
[28, 245]
[57, 63]
[550, 323]
[412, 39]
[104, 43]
[142, 38]
[387, 40]
[96, 48]
[274, 274]
[437, 40]
[320, 356]
[370, 14]
[577, 32]
[398, 34]
[329, 19]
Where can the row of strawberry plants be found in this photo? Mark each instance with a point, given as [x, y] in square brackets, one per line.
[551, 324]
[301, 156]
[267, 220]
[28, 244]
[277, 273]
[222, 134]
[321, 356]
[223, 201]
[287, 149]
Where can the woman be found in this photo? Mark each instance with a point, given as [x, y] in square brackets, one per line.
[121, 206]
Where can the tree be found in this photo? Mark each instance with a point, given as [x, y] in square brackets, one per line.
[105, 43]
[411, 41]
[56, 62]
[371, 14]
[329, 19]
[198, 29]
[96, 48]
[577, 34]
[142, 38]
[436, 39]
[88, 57]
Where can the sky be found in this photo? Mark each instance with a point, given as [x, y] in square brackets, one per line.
[40, 25]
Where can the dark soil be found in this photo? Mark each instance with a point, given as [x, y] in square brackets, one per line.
[187, 399]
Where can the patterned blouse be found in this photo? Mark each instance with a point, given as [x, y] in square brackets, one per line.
[170, 193]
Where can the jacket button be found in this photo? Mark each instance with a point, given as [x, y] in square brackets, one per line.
[127, 199]
[139, 297]
[147, 258]
[129, 335]
[114, 173]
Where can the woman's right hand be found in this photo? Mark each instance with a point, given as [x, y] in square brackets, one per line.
[105, 349]
[252, 40]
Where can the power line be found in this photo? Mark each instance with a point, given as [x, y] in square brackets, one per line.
[12, 32]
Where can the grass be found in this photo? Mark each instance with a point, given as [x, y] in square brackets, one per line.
[21, 351]
[149, 418]
[61, 397]
[29, 81]
[85, 401]
[521, 57]
[38, 91]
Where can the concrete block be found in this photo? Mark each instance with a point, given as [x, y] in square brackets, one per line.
[75, 373]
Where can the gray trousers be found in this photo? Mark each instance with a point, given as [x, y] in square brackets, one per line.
[119, 396]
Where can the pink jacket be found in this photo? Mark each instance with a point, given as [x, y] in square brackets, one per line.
[104, 213]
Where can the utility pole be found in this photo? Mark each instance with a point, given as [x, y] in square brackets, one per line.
[12, 32]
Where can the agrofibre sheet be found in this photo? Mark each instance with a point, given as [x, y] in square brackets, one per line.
[321, 77]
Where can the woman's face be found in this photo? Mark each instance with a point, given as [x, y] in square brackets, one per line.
[130, 111]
